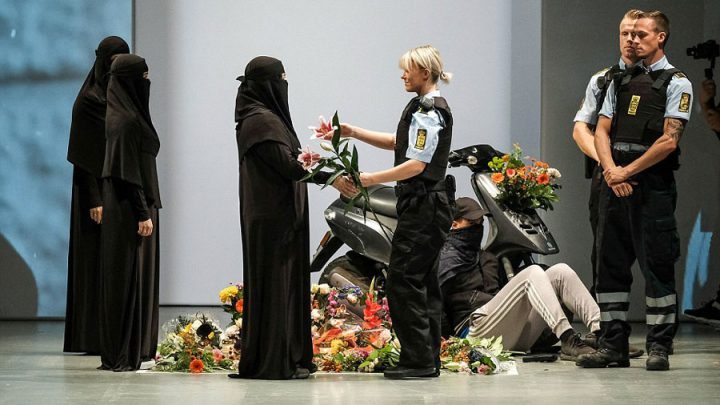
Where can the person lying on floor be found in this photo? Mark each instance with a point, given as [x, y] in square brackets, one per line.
[529, 303]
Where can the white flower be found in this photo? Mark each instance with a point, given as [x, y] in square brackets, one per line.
[314, 330]
[196, 324]
[313, 289]
[327, 146]
[384, 337]
[555, 173]
[238, 322]
[352, 298]
[316, 314]
[324, 289]
[232, 331]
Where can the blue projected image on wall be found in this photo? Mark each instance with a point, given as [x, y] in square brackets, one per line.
[46, 50]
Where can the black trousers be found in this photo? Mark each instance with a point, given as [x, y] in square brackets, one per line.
[412, 285]
[596, 183]
[640, 227]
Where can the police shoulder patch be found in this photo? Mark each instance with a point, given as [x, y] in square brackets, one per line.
[684, 105]
[420, 139]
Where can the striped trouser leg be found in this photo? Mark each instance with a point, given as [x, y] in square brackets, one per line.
[614, 328]
[661, 321]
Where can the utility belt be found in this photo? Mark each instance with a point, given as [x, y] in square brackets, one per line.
[624, 153]
[420, 188]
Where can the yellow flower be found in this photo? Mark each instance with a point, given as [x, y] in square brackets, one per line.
[336, 346]
[188, 327]
[211, 335]
[227, 293]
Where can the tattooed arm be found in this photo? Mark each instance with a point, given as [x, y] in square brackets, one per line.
[658, 151]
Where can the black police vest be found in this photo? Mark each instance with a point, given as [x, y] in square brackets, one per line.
[435, 170]
[639, 117]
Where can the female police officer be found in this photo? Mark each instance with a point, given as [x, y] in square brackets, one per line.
[421, 144]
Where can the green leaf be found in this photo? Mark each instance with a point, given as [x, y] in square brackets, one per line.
[354, 160]
[336, 135]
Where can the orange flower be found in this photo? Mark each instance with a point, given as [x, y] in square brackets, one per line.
[543, 178]
[239, 305]
[505, 158]
[497, 178]
[510, 172]
[196, 366]
[539, 163]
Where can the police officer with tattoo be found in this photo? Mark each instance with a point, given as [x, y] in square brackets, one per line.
[639, 129]
[587, 116]
[422, 145]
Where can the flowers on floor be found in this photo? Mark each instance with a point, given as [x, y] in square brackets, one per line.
[474, 355]
[194, 343]
[351, 332]
[350, 336]
[524, 187]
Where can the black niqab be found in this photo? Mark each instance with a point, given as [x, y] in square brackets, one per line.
[129, 128]
[86, 148]
[264, 88]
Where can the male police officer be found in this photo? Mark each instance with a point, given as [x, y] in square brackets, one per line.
[586, 119]
[636, 141]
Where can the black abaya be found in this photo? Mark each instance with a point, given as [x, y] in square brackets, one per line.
[130, 263]
[276, 337]
[86, 151]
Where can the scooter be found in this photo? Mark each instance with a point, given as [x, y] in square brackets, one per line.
[513, 237]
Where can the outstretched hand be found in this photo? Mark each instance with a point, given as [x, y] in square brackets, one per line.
[345, 186]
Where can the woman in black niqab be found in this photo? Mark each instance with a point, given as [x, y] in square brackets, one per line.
[275, 338]
[130, 256]
[86, 151]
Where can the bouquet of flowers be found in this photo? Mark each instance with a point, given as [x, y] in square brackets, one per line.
[341, 162]
[232, 300]
[474, 356]
[524, 187]
[343, 341]
[193, 343]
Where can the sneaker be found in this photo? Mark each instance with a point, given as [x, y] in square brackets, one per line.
[591, 340]
[708, 313]
[574, 347]
[602, 358]
[657, 360]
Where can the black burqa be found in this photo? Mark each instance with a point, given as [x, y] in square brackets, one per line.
[130, 263]
[276, 337]
[86, 151]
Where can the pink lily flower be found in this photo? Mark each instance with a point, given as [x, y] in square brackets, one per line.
[308, 158]
[324, 130]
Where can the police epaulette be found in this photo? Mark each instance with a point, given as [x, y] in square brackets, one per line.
[680, 75]
[602, 71]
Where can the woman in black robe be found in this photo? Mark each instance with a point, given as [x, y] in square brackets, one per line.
[130, 254]
[86, 151]
[276, 338]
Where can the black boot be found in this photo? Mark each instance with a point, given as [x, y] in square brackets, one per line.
[603, 358]
[591, 340]
[573, 346]
[657, 360]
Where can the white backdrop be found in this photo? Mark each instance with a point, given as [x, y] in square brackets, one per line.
[338, 55]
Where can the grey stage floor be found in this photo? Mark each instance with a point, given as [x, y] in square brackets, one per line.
[33, 370]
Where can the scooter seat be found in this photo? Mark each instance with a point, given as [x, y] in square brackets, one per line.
[382, 200]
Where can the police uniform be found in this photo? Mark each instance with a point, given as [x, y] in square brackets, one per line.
[642, 226]
[588, 113]
[424, 218]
